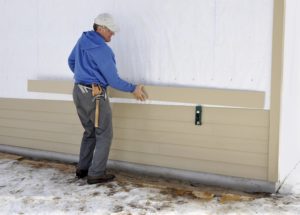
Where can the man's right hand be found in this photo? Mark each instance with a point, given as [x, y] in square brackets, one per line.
[140, 93]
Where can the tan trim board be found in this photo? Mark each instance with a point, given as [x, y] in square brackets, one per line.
[276, 82]
[224, 97]
[50, 86]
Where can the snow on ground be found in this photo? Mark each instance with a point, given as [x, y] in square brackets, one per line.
[44, 187]
[292, 182]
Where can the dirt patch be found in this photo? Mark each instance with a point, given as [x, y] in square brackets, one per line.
[67, 168]
[9, 156]
[96, 194]
[118, 208]
[228, 197]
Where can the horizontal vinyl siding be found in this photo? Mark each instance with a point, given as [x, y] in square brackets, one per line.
[214, 142]
[231, 141]
[193, 152]
[50, 106]
[234, 116]
[39, 116]
[39, 144]
[228, 169]
[245, 132]
[40, 124]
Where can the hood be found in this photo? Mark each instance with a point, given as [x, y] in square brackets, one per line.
[90, 40]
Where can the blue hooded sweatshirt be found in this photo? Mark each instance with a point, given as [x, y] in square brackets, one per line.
[93, 61]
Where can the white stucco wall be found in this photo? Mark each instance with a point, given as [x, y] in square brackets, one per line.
[290, 103]
[202, 43]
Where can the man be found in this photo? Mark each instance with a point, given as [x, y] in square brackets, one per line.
[93, 63]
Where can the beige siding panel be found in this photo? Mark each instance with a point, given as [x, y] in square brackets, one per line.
[237, 116]
[187, 140]
[238, 98]
[42, 126]
[40, 144]
[41, 135]
[38, 105]
[149, 136]
[247, 132]
[231, 141]
[180, 151]
[190, 164]
[42, 117]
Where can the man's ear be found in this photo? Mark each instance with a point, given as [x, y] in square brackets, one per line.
[99, 29]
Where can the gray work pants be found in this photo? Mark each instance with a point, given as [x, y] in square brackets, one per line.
[95, 144]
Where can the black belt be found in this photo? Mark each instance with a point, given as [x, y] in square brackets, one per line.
[86, 85]
[90, 86]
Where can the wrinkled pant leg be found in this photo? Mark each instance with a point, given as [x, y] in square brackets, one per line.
[87, 147]
[104, 136]
[84, 105]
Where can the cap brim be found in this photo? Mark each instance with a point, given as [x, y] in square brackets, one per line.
[114, 28]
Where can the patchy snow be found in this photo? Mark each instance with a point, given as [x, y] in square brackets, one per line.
[291, 184]
[43, 187]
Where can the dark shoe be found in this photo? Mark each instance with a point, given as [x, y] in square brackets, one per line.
[81, 173]
[100, 179]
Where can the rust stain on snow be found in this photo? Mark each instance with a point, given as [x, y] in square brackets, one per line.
[228, 197]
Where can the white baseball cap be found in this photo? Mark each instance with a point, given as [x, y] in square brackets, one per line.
[105, 19]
